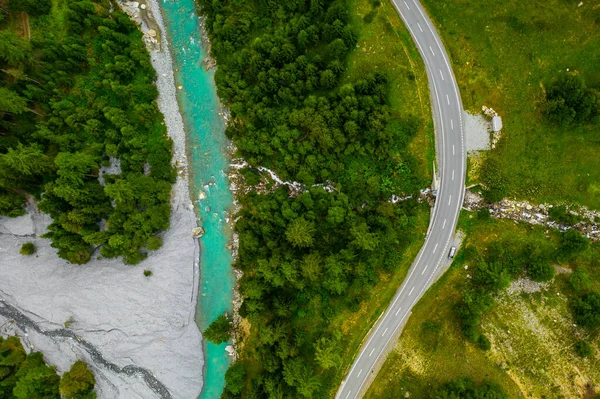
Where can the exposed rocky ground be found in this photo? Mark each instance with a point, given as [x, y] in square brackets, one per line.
[137, 333]
[523, 211]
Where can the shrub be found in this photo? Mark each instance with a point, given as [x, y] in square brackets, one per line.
[483, 214]
[580, 281]
[569, 101]
[464, 387]
[541, 271]
[484, 343]
[147, 273]
[583, 349]
[572, 243]
[561, 214]
[27, 249]
[586, 310]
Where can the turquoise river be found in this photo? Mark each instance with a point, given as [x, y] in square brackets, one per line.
[206, 143]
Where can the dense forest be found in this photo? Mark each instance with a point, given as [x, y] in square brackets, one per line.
[77, 98]
[307, 258]
[26, 376]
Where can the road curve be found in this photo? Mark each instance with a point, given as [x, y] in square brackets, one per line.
[451, 156]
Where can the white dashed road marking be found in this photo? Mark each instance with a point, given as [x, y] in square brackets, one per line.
[435, 248]
[449, 200]
[430, 49]
[452, 174]
[398, 311]
[423, 272]
[453, 150]
[384, 332]
[373, 350]
[444, 225]
[442, 75]
[407, 5]
[411, 290]
[349, 392]
[452, 124]
[448, 99]
[419, 25]
[358, 375]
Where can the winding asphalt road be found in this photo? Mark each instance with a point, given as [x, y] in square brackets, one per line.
[447, 113]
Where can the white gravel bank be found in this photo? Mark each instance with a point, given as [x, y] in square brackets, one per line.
[129, 318]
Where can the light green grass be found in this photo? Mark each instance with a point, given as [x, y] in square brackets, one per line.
[503, 53]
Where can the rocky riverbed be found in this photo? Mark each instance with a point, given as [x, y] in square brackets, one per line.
[137, 333]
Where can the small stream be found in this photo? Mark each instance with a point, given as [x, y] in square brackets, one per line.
[207, 147]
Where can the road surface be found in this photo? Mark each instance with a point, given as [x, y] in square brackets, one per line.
[447, 113]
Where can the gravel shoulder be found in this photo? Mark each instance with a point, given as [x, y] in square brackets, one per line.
[133, 321]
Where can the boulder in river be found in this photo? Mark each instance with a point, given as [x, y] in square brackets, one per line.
[197, 232]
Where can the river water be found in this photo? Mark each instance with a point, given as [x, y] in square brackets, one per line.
[207, 150]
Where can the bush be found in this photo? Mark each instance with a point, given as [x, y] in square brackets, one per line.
[483, 214]
[219, 330]
[484, 343]
[569, 101]
[464, 387]
[541, 271]
[27, 249]
[586, 310]
[561, 214]
[147, 273]
[572, 243]
[580, 281]
[583, 349]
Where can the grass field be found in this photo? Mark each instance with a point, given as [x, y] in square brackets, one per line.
[532, 333]
[504, 53]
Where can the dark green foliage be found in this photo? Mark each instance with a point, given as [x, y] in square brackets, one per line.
[234, 378]
[32, 7]
[569, 101]
[71, 99]
[483, 214]
[25, 376]
[583, 349]
[580, 281]
[561, 214]
[11, 204]
[586, 310]
[540, 270]
[147, 273]
[572, 243]
[465, 388]
[219, 330]
[27, 249]
[484, 343]
[78, 382]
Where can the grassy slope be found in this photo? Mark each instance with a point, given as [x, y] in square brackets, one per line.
[504, 52]
[385, 45]
[532, 334]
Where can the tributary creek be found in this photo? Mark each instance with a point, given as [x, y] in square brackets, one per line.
[206, 144]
